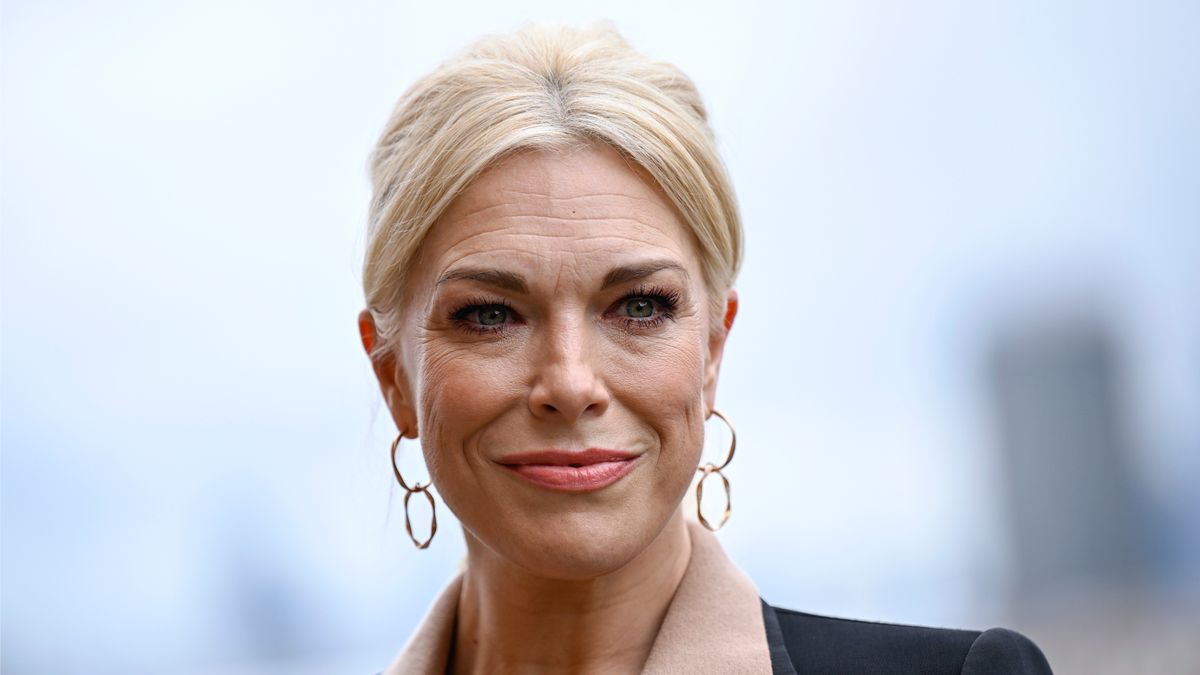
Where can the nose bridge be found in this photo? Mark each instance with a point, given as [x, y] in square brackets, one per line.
[567, 382]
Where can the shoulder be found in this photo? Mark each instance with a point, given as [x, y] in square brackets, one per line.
[999, 650]
[819, 644]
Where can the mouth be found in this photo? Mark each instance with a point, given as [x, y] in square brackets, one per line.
[566, 471]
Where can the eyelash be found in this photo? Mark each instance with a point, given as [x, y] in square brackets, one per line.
[665, 300]
[459, 316]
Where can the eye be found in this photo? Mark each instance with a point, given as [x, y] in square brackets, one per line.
[647, 308]
[492, 315]
[639, 307]
[484, 317]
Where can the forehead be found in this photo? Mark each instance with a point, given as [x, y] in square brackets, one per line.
[587, 208]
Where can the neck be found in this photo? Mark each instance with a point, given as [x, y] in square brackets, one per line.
[512, 621]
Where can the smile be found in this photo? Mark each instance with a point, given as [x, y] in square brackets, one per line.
[572, 471]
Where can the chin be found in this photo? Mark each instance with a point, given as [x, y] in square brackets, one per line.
[573, 547]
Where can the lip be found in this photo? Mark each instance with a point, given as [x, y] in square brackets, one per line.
[567, 471]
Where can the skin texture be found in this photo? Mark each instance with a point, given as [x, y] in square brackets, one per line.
[517, 338]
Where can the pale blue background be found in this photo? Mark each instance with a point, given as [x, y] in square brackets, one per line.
[195, 471]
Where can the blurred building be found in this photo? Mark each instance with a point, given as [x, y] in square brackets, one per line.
[1090, 578]
[1076, 517]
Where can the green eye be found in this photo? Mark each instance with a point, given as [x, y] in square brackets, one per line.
[639, 308]
[493, 316]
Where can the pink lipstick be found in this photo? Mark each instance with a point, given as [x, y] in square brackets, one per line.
[591, 469]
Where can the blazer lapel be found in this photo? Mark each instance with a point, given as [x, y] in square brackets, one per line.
[781, 658]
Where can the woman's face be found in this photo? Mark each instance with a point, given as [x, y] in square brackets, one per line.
[557, 360]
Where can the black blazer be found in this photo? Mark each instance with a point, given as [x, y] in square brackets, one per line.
[806, 643]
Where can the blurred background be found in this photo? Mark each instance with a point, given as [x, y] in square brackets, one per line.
[968, 352]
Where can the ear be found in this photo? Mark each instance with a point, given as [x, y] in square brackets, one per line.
[716, 349]
[392, 380]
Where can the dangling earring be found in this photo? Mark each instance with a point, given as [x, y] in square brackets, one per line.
[408, 493]
[708, 470]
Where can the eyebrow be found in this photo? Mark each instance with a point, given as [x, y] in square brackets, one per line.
[620, 275]
[512, 281]
[509, 281]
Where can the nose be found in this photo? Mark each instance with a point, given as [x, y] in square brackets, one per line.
[567, 385]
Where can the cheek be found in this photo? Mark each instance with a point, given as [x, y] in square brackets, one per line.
[677, 368]
[664, 387]
[671, 396]
[461, 393]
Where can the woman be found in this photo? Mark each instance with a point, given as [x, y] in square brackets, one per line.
[553, 244]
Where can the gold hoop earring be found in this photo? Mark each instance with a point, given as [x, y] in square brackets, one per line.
[708, 470]
[408, 493]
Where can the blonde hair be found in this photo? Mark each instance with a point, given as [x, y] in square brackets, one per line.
[542, 88]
